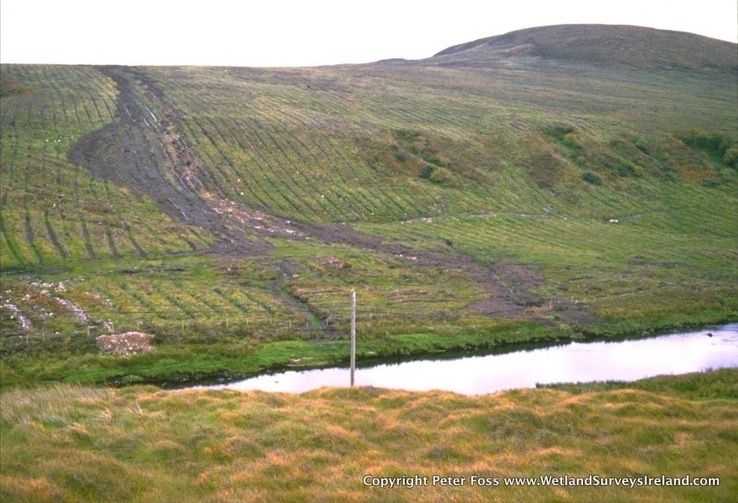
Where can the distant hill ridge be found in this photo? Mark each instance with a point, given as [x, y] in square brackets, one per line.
[634, 46]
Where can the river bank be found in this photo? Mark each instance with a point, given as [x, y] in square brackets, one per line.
[623, 360]
[181, 365]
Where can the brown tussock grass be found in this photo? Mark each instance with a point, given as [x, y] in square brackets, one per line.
[229, 446]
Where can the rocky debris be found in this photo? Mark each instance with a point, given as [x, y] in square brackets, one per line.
[128, 343]
[79, 313]
[16, 314]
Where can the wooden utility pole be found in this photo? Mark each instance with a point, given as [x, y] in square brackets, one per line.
[353, 335]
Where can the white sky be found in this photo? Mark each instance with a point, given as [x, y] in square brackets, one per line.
[309, 32]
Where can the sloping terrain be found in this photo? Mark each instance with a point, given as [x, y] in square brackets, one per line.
[606, 45]
[543, 184]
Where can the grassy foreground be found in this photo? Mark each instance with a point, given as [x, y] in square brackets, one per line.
[68, 443]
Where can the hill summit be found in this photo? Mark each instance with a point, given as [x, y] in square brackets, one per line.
[634, 46]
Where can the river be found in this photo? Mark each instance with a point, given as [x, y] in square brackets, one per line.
[622, 360]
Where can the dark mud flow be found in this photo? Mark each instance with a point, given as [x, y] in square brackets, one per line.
[144, 151]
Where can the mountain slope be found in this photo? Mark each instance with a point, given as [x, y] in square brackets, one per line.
[469, 205]
[633, 46]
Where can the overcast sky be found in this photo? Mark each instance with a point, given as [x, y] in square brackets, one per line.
[308, 32]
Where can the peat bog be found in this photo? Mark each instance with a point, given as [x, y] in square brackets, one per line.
[500, 192]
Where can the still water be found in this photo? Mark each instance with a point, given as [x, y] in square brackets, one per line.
[624, 360]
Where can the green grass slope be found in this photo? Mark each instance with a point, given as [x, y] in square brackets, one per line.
[495, 193]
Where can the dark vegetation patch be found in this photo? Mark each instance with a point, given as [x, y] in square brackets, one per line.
[618, 158]
[415, 148]
[545, 168]
[718, 146]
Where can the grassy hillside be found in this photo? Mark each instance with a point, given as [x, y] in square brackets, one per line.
[532, 194]
[65, 443]
[607, 45]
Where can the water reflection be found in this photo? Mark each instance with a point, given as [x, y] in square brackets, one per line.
[576, 362]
